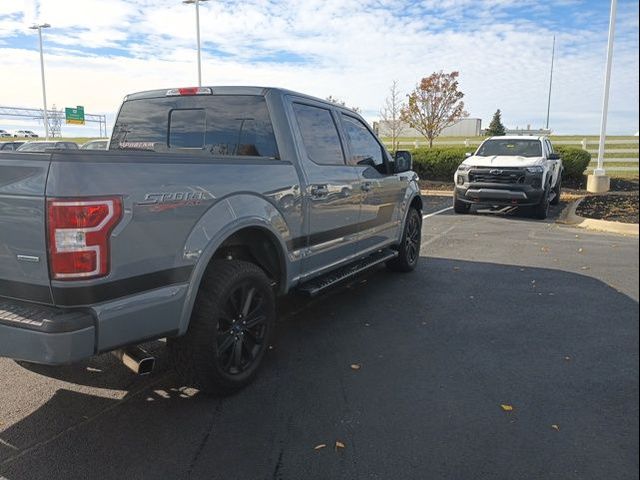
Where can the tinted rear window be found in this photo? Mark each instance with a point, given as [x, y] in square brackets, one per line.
[319, 134]
[236, 125]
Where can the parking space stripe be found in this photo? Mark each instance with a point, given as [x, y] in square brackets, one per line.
[436, 213]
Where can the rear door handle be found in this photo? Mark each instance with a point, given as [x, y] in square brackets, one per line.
[366, 187]
[319, 191]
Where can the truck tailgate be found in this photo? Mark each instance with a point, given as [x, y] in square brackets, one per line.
[23, 251]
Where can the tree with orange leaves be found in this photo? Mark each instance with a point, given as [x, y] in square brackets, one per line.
[435, 104]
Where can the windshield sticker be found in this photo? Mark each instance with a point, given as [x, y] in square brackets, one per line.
[137, 145]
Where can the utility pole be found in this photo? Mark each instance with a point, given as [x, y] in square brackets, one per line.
[39, 27]
[197, 4]
[553, 54]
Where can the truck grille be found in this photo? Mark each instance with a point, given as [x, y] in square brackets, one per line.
[497, 175]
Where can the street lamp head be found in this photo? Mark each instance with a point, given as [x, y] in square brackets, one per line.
[36, 26]
[191, 2]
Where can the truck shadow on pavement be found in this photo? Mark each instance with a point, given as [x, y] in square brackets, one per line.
[408, 372]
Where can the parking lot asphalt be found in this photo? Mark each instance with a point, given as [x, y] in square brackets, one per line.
[510, 353]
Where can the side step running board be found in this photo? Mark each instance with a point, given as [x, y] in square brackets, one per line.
[317, 285]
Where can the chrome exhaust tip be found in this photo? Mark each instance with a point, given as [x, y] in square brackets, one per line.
[136, 359]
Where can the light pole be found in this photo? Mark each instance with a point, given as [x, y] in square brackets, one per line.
[599, 182]
[39, 27]
[197, 4]
[553, 54]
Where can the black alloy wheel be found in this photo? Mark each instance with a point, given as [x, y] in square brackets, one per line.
[242, 328]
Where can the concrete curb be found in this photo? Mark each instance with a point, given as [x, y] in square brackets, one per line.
[568, 216]
[437, 193]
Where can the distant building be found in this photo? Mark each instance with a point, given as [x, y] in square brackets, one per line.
[467, 127]
[526, 131]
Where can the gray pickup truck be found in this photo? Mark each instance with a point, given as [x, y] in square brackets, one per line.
[208, 204]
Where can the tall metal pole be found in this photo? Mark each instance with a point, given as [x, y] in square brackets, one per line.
[198, 40]
[553, 54]
[607, 81]
[44, 89]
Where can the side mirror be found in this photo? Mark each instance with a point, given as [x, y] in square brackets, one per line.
[553, 156]
[468, 154]
[403, 161]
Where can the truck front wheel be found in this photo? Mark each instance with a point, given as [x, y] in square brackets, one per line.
[541, 211]
[460, 207]
[229, 331]
[557, 190]
[409, 247]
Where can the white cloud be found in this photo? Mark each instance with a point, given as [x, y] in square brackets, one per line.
[351, 49]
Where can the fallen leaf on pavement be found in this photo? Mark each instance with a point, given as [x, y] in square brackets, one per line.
[567, 358]
[318, 447]
[556, 427]
[585, 268]
[506, 408]
[456, 269]
[339, 444]
[355, 366]
[580, 250]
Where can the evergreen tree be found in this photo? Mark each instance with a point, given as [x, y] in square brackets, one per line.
[496, 128]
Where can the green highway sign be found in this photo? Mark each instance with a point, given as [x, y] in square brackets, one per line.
[74, 115]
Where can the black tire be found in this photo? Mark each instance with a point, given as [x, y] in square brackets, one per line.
[409, 248]
[541, 211]
[230, 329]
[460, 207]
[557, 190]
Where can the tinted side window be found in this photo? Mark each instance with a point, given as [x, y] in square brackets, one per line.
[364, 147]
[319, 134]
[235, 125]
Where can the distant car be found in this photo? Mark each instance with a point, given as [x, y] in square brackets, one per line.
[42, 146]
[95, 145]
[4, 134]
[10, 146]
[25, 134]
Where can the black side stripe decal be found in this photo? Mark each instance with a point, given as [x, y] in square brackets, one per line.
[385, 214]
[69, 296]
[25, 291]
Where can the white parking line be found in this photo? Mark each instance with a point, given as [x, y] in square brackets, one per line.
[436, 213]
[438, 236]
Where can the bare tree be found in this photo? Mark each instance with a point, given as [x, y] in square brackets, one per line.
[342, 103]
[435, 104]
[391, 114]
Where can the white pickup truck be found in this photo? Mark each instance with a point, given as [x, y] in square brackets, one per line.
[510, 170]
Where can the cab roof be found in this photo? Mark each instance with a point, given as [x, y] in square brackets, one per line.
[235, 90]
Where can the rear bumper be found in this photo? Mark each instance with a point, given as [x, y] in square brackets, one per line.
[499, 194]
[47, 335]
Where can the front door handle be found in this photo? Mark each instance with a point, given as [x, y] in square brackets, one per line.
[366, 187]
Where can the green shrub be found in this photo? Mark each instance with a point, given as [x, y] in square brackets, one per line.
[438, 163]
[575, 162]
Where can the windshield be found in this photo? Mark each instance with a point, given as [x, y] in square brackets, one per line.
[522, 148]
[36, 147]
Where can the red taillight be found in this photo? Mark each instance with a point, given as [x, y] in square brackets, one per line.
[187, 91]
[79, 231]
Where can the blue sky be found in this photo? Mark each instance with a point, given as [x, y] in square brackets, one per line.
[97, 51]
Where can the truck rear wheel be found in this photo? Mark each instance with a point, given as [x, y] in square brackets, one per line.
[230, 329]
[409, 247]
